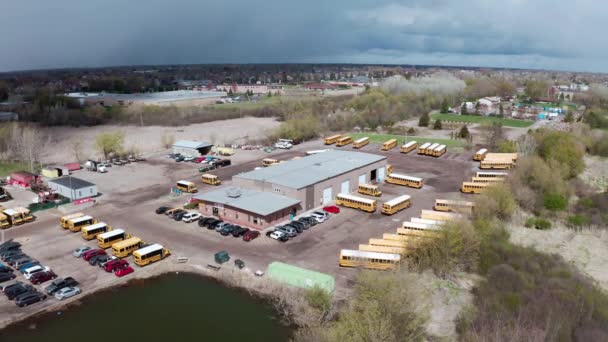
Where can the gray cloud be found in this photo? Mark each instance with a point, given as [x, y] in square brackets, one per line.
[507, 33]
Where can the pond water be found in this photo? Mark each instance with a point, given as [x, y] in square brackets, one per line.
[174, 308]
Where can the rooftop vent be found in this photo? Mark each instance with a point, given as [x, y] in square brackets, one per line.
[233, 193]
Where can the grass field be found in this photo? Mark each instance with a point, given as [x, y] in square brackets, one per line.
[380, 138]
[7, 167]
[482, 119]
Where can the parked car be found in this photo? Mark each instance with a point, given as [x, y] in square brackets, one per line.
[332, 209]
[6, 276]
[191, 217]
[94, 261]
[78, 252]
[200, 159]
[239, 263]
[189, 159]
[124, 271]
[180, 158]
[179, 215]
[279, 235]
[297, 225]
[226, 230]
[239, 231]
[60, 283]
[42, 277]
[218, 227]
[171, 212]
[221, 162]
[33, 270]
[20, 262]
[67, 292]
[28, 265]
[311, 220]
[162, 210]
[6, 254]
[15, 291]
[94, 252]
[204, 221]
[305, 223]
[116, 264]
[251, 235]
[213, 223]
[173, 155]
[320, 215]
[9, 246]
[29, 298]
[4, 269]
[7, 286]
[289, 231]
[103, 264]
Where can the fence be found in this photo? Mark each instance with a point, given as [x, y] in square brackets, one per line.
[44, 206]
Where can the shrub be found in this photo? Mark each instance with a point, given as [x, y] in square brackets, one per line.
[424, 120]
[507, 146]
[318, 298]
[464, 132]
[555, 202]
[563, 148]
[578, 220]
[496, 201]
[437, 124]
[538, 223]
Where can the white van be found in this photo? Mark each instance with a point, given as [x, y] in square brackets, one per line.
[29, 272]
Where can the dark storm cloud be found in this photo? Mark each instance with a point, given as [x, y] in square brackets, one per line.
[511, 33]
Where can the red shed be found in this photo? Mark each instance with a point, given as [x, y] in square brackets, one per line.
[24, 178]
[72, 166]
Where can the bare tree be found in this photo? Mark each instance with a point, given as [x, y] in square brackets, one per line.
[77, 151]
[167, 139]
[28, 144]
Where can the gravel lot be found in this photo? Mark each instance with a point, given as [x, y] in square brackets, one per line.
[132, 192]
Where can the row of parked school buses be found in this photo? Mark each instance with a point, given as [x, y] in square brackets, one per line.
[386, 253]
[489, 160]
[122, 243]
[430, 149]
[14, 217]
[482, 180]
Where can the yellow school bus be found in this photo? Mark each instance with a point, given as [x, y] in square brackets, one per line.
[356, 202]
[186, 186]
[419, 233]
[412, 182]
[497, 164]
[501, 156]
[429, 150]
[106, 240]
[269, 161]
[491, 180]
[369, 189]
[473, 188]
[389, 145]
[91, 232]
[333, 139]
[423, 147]
[396, 204]
[371, 260]
[481, 154]
[433, 223]
[4, 223]
[124, 248]
[210, 179]
[361, 142]
[409, 147]
[439, 215]
[390, 243]
[343, 141]
[439, 150]
[76, 224]
[13, 217]
[63, 221]
[491, 174]
[383, 249]
[453, 205]
[26, 215]
[150, 254]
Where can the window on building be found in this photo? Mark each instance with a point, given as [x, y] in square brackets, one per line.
[236, 215]
[255, 220]
[79, 193]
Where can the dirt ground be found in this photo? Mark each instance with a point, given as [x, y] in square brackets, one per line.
[131, 193]
[147, 139]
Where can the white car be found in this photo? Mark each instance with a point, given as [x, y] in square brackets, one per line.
[284, 145]
[78, 252]
[33, 270]
[277, 235]
[191, 217]
[67, 292]
[189, 159]
[320, 216]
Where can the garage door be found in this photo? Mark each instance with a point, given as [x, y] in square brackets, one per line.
[362, 179]
[345, 187]
[381, 173]
[327, 195]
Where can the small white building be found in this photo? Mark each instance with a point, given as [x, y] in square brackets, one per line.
[73, 188]
[191, 148]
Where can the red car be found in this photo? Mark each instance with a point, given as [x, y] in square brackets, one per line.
[42, 277]
[250, 235]
[199, 159]
[113, 265]
[94, 252]
[332, 209]
[124, 271]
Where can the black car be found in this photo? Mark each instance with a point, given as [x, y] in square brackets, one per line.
[174, 212]
[179, 159]
[304, 223]
[297, 225]
[60, 283]
[18, 290]
[202, 222]
[162, 210]
[4, 269]
[94, 261]
[15, 258]
[29, 298]
[214, 224]
[178, 216]
[8, 254]
[239, 231]
[222, 162]
[310, 220]
[8, 286]
[227, 230]
[9, 246]
[6, 276]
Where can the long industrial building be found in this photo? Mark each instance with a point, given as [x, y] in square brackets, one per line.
[316, 179]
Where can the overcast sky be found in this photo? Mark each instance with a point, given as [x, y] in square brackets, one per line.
[540, 34]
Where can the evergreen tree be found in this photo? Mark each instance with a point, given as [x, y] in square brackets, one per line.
[477, 108]
[444, 106]
[501, 110]
[230, 93]
[464, 132]
[269, 94]
[463, 109]
[437, 124]
[424, 120]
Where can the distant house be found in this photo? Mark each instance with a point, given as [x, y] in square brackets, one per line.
[489, 105]
[9, 116]
[191, 148]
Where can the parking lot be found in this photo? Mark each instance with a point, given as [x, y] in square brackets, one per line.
[131, 194]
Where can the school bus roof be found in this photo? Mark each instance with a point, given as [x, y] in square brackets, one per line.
[95, 226]
[422, 226]
[404, 177]
[360, 140]
[370, 255]
[427, 221]
[81, 219]
[357, 198]
[475, 184]
[127, 242]
[490, 173]
[425, 145]
[482, 151]
[439, 148]
[185, 182]
[148, 249]
[398, 200]
[22, 210]
[440, 213]
[433, 146]
[346, 137]
[335, 136]
[410, 144]
[454, 202]
[208, 175]
[111, 233]
[390, 141]
[11, 212]
[369, 186]
[71, 216]
[382, 249]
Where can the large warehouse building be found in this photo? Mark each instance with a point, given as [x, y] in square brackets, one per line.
[316, 179]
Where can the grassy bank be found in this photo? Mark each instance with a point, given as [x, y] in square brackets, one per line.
[380, 138]
[482, 119]
[7, 167]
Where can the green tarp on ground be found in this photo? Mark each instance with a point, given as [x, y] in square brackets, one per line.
[300, 277]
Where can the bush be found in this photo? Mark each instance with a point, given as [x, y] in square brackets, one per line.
[464, 132]
[507, 146]
[578, 220]
[538, 223]
[496, 202]
[437, 125]
[319, 299]
[424, 120]
[563, 148]
[555, 202]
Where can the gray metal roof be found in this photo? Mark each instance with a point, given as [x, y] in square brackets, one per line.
[191, 144]
[312, 169]
[71, 182]
[257, 202]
